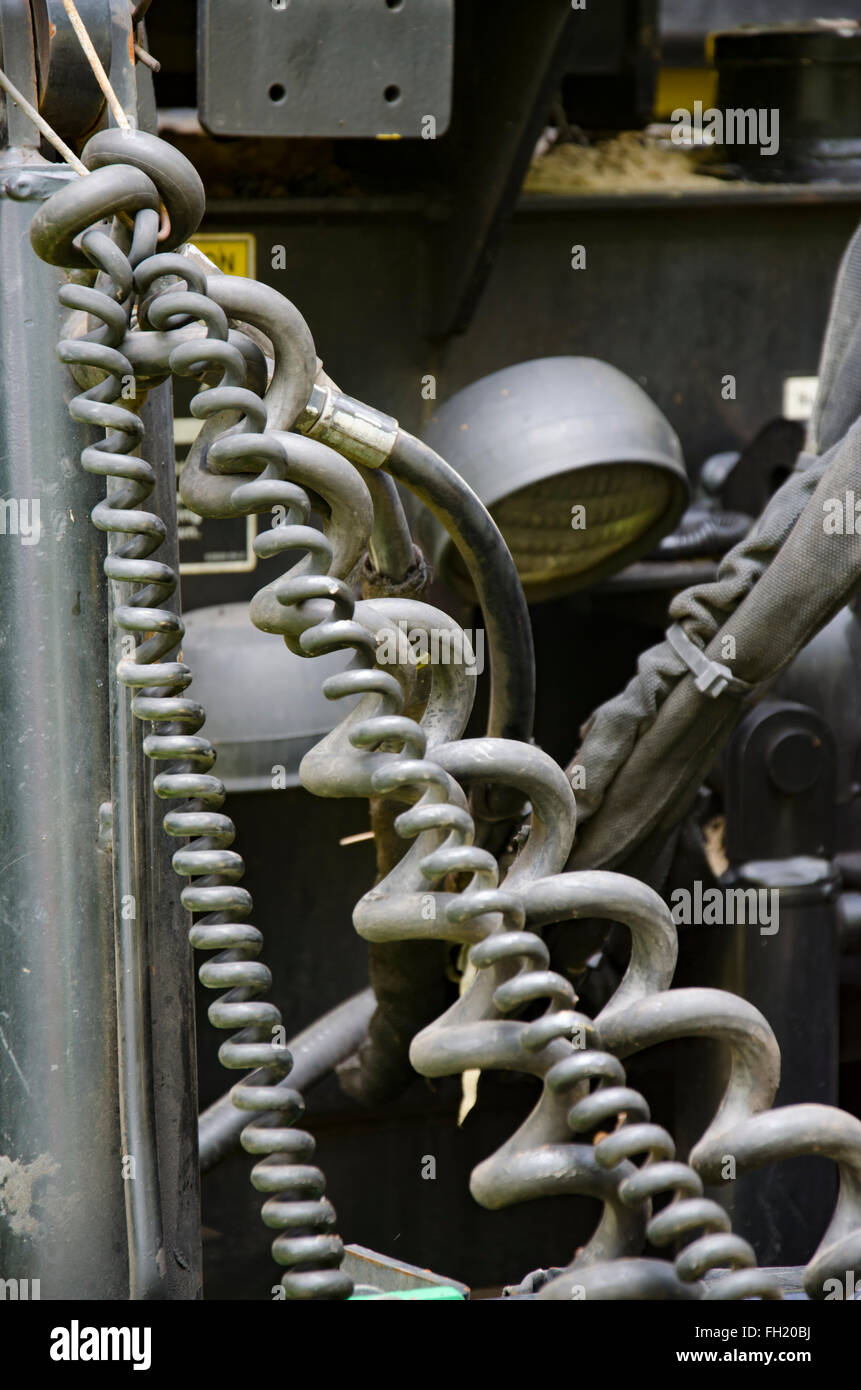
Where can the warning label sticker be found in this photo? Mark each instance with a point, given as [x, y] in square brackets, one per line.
[232, 252]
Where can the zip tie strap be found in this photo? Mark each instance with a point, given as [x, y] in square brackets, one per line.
[711, 678]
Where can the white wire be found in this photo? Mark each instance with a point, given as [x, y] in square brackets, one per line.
[95, 63]
[41, 124]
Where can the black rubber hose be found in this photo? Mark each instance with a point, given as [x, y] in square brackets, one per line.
[407, 976]
[491, 568]
[316, 1051]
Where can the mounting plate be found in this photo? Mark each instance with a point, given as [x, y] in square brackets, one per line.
[326, 67]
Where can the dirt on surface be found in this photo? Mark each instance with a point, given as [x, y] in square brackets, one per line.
[627, 163]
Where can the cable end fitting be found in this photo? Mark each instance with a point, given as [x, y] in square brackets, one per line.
[356, 430]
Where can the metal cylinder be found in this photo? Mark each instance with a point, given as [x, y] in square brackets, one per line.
[61, 1183]
[788, 101]
[784, 959]
[170, 957]
[786, 1207]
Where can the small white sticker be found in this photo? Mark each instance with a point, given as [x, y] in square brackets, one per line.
[799, 393]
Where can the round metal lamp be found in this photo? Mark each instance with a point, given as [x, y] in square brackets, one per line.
[577, 465]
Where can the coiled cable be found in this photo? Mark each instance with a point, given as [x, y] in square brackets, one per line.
[296, 1207]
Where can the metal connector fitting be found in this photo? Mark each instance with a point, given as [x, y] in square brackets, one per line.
[356, 430]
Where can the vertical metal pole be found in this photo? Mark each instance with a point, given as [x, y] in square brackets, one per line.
[62, 1215]
[172, 1041]
[90, 1207]
[99, 1181]
[133, 921]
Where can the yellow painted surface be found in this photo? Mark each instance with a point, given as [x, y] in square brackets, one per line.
[679, 88]
[234, 253]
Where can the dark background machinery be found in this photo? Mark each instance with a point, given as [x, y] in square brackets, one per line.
[440, 268]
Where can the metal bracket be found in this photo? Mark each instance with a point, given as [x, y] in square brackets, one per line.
[327, 68]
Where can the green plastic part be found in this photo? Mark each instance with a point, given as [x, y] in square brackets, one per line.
[441, 1291]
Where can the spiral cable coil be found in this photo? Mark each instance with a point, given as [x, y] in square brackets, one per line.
[489, 918]
[315, 611]
[295, 1205]
[614, 1105]
[446, 887]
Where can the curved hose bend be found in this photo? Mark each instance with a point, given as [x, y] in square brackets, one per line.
[793, 1131]
[696, 1222]
[560, 1046]
[315, 611]
[425, 898]
[447, 887]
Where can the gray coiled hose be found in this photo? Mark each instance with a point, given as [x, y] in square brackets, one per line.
[447, 887]
[295, 1206]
